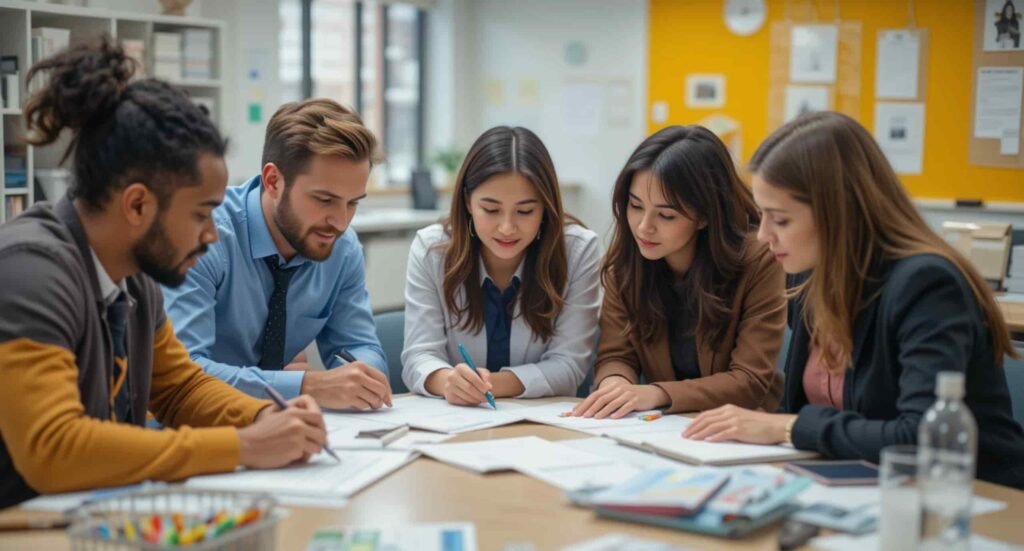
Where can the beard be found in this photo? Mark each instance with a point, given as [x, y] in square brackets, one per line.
[156, 257]
[291, 229]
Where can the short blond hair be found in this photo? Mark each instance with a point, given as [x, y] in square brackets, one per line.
[317, 126]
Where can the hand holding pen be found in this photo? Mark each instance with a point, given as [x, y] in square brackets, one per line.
[478, 378]
[294, 432]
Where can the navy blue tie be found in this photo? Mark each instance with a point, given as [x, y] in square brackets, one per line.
[275, 330]
[120, 397]
[498, 323]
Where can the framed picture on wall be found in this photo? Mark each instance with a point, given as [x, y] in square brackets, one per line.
[705, 91]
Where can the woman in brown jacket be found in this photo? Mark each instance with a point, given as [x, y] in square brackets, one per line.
[692, 302]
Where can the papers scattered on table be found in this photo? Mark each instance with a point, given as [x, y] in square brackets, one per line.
[556, 414]
[846, 542]
[850, 497]
[510, 454]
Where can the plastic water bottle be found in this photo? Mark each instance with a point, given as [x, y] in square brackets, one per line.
[947, 441]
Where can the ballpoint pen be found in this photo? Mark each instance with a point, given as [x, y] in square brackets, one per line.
[281, 403]
[469, 362]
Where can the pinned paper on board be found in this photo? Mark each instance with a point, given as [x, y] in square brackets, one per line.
[494, 92]
[812, 53]
[581, 107]
[619, 103]
[659, 112]
[898, 64]
[899, 129]
[997, 107]
[805, 99]
[1003, 22]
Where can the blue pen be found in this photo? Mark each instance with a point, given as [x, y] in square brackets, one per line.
[469, 362]
[281, 403]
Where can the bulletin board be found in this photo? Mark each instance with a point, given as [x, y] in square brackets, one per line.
[985, 151]
[844, 94]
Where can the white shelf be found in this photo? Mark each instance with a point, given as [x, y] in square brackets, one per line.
[85, 11]
[16, 191]
[10, 111]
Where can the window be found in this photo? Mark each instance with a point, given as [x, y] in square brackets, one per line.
[367, 54]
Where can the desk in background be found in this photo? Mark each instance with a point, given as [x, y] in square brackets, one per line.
[510, 507]
[386, 233]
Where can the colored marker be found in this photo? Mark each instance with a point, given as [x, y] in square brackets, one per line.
[650, 417]
[469, 362]
[281, 403]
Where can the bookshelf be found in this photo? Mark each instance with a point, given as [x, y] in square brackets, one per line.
[25, 171]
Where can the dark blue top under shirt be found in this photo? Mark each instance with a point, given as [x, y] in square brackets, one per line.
[498, 322]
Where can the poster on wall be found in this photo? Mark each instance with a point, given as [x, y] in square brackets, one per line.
[897, 66]
[812, 53]
[805, 99]
[705, 91]
[1002, 26]
[997, 107]
[899, 129]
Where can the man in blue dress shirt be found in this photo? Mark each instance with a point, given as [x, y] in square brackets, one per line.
[287, 270]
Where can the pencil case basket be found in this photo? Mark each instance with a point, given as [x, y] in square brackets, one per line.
[198, 520]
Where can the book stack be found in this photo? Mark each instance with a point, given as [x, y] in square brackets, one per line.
[15, 171]
[197, 53]
[1015, 281]
[167, 59]
[717, 502]
[136, 49]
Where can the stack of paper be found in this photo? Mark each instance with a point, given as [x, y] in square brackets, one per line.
[197, 53]
[557, 414]
[167, 59]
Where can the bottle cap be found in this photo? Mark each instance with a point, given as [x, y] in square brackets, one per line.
[950, 384]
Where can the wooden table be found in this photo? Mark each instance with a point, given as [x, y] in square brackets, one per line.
[507, 508]
[1013, 312]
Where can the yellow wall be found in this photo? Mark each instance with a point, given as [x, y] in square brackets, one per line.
[689, 36]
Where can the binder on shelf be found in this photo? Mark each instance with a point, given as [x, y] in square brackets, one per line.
[167, 58]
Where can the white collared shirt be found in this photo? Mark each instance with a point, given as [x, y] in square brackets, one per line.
[553, 368]
[108, 289]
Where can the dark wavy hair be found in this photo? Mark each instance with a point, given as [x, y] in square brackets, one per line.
[546, 268]
[698, 179]
[122, 130]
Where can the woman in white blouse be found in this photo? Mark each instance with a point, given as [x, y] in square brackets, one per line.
[508, 275]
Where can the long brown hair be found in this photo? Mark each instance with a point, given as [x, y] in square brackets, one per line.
[863, 216]
[497, 151]
[699, 179]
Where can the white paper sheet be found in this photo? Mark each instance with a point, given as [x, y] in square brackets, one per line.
[805, 99]
[899, 129]
[701, 452]
[510, 454]
[859, 496]
[322, 477]
[812, 53]
[997, 101]
[847, 542]
[554, 414]
[345, 439]
[897, 66]
[612, 450]
[432, 414]
[581, 107]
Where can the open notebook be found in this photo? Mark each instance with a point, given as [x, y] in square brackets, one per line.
[672, 444]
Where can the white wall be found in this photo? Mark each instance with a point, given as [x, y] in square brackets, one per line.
[250, 41]
[504, 44]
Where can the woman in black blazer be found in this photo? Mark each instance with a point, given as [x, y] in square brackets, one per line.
[879, 305]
